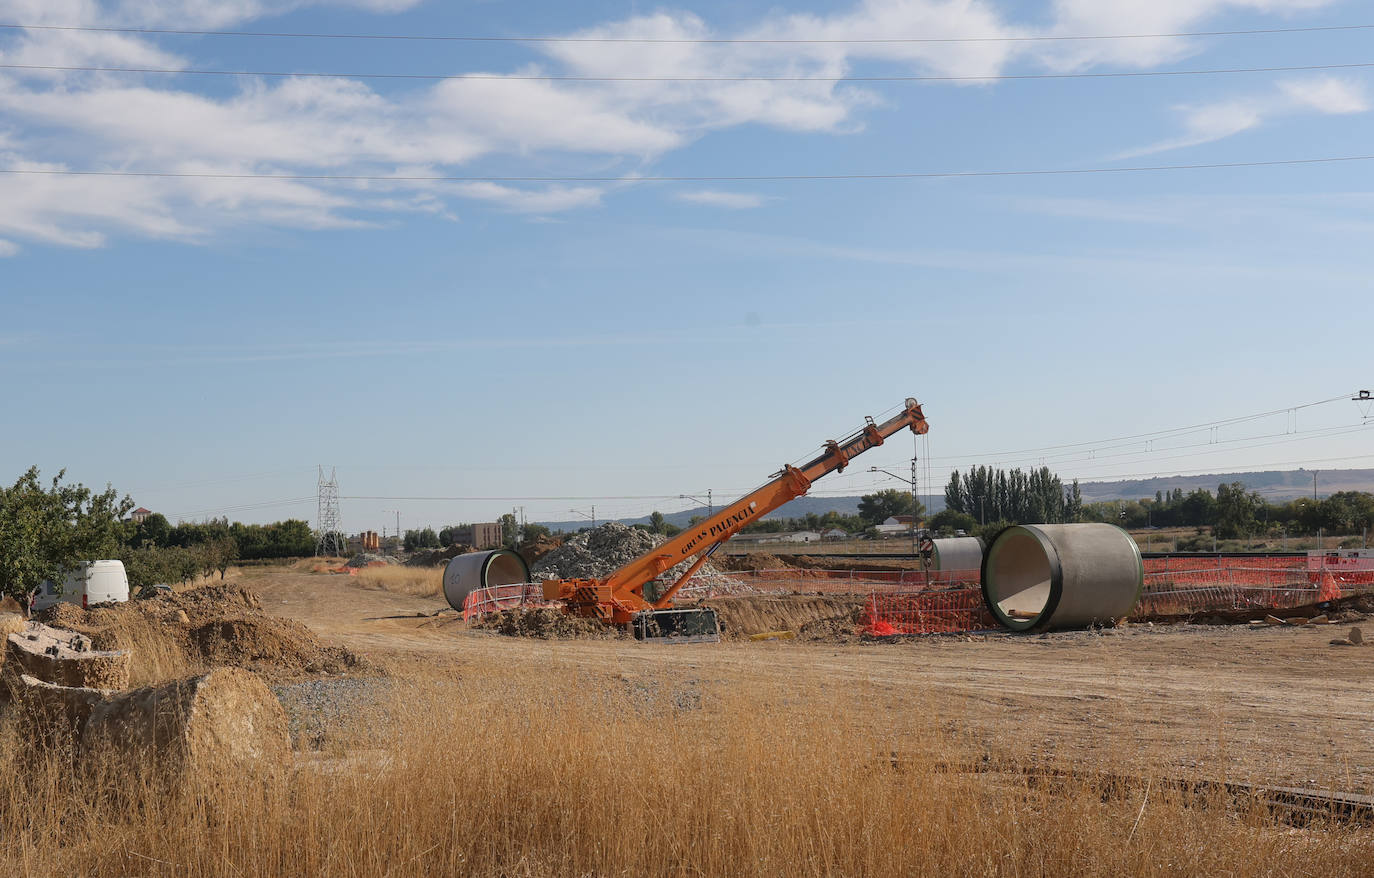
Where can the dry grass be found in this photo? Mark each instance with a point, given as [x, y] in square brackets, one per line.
[559, 772]
[425, 582]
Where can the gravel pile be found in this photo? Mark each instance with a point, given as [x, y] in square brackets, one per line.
[327, 710]
[438, 556]
[601, 551]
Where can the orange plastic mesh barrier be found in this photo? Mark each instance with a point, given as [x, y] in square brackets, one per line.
[926, 612]
[481, 601]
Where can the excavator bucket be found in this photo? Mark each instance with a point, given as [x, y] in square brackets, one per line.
[677, 626]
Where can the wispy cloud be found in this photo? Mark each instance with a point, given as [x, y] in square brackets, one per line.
[7, 248]
[716, 198]
[1206, 123]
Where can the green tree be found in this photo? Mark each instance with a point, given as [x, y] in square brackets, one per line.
[46, 531]
[947, 521]
[153, 530]
[509, 530]
[535, 532]
[1235, 511]
[877, 508]
[1073, 503]
[657, 523]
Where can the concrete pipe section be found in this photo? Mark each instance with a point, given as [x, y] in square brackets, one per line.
[958, 553]
[467, 573]
[1062, 575]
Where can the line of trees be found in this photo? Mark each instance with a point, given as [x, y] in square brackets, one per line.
[48, 528]
[988, 494]
[1234, 512]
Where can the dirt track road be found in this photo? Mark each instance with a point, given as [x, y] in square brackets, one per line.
[1278, 705]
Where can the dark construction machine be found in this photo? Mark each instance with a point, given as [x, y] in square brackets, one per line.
[620, 598]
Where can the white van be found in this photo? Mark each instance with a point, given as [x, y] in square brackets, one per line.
[90, 583]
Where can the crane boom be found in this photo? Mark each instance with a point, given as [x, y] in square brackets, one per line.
[619, 597]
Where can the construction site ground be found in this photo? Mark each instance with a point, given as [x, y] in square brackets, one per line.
[1276, 705]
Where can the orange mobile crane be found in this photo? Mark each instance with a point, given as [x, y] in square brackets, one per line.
[620, 598]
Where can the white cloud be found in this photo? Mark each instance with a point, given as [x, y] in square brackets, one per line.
[1106, 17]
[337, 126]
[1327, 94]
[1206, 123]
[714, 198]
[548, 200]
[7, 248]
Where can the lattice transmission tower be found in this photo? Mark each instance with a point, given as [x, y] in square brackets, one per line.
[329, 539]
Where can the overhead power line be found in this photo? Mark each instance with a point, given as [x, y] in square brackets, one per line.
[720, 178]
[1153, 434]
[555, 77]
[1028, 38]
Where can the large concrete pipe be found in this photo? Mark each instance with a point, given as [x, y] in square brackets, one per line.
[1061, 575]
[467, 573]
[957, 553]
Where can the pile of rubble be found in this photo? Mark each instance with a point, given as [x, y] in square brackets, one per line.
[599, 552]
[437, 557]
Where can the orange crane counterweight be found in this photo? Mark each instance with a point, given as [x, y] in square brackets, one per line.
[619, 599]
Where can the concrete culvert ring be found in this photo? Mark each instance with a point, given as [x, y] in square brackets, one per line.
[1061, 575]
[467, 573]
[956, 553]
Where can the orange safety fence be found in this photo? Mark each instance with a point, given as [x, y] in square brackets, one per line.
[926, 612]
[495, 598]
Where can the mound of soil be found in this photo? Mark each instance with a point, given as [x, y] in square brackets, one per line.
[535, 550]
[189, 631]
[266, 641]
[546, 623]
[367, 559]
[751, 561]
[816, 617]
[438, 556]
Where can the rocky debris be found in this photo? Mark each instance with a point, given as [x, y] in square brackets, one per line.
[323, 711]
[369, 559]
[1354, 638]
[601, 551]
[64, 658]
[437, 557]
[548, 623]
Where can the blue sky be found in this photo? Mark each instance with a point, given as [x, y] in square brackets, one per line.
[203, 342]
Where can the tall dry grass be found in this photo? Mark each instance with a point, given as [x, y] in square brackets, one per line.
[560, 772]
[425, 582]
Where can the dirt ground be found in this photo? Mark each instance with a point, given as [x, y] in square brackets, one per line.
[1274, 705]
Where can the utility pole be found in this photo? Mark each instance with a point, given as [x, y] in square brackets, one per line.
[1314, 486]
[914, 548]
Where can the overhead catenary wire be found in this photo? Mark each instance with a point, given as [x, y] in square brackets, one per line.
[577, 77]
[719, 178]
[1019, 38]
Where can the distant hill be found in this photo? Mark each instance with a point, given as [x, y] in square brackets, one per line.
[1273, 485]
